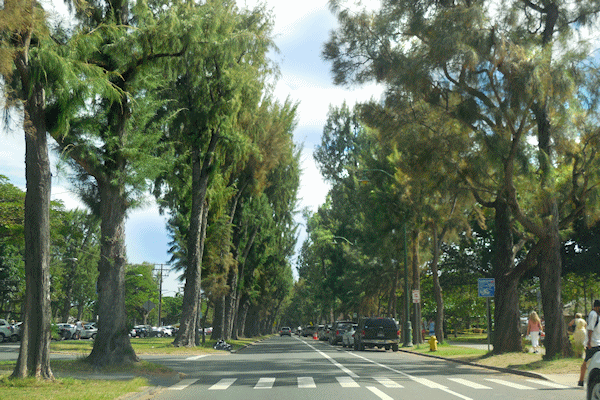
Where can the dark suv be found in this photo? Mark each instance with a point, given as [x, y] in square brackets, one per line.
[338, 329]
[377, 332]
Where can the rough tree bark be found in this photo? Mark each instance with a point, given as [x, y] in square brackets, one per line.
[112, 345]
[34, 355]
[186, 335]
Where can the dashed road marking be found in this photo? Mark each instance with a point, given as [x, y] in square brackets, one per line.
[388, 383]
[379, 393]
[265, 383]
[223, 384]
[470, 384]
[347, 382]
[306, 382]
[509, 384]
[182, 384]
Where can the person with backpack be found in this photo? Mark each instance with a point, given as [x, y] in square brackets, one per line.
[593, 339]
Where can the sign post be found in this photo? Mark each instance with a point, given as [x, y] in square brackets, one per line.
[486, 287]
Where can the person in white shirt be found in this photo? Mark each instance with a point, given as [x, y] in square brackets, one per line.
[593, 338]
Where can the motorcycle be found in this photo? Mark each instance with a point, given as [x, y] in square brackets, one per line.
[222, 345]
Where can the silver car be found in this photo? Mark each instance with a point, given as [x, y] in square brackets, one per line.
[348, 336]
[593, 378]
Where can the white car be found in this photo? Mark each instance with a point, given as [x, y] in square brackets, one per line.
[348, 336]
[8, 332]
[593, 378]
[89, 331]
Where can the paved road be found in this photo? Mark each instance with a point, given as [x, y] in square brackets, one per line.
[295, 368]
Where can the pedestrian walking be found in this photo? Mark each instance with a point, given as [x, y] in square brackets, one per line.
[534, 330]
[579, 334]
[593, 339]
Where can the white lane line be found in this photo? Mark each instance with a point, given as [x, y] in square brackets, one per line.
[470, 384]
[196, 357]
[337, 364]
[182, 384]
[422, 381]
[222, 384]
[379, 393]
[306, 382]
[547, 383]
[347, 382]
[388, 383]
[509, 384]
[265, 383]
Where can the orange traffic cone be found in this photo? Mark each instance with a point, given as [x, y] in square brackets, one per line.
[315, 336]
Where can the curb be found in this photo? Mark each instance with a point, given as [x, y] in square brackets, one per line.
[528, 374]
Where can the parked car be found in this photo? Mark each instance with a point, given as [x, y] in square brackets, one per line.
[207, 330]
[321, 332]
[89, 331]
[377, 332]
[338, 329]
[286, 330]
[308, 330]
[592, 378]
[8, 331]
[66, 331]
[141, 331]
[348, 336]
[167, 330]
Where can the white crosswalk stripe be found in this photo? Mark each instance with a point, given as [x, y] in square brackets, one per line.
[548, 384]
[265, 383]
[470, 384]
[306, 382]
[222, 384]
[379, 393]
[347, 382]
[182, 384]
[509, 384]
[388, 383]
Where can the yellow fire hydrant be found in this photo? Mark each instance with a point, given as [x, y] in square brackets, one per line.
[433, 343]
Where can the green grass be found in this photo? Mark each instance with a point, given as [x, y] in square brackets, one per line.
[524, 361]
[148, 346]
[73, 388]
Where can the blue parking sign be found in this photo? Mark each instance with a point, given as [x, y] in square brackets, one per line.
[486, 287]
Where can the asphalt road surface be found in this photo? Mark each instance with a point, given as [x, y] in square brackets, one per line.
[289, 368]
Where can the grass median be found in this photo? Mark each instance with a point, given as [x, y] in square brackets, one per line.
[73, 382]
[524, 361]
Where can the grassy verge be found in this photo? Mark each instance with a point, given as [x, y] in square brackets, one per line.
[519, 361]
[72, 388]
[148, 346]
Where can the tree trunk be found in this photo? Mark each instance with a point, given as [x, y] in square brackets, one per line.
[112, 345]
[34, 355]
[506, 297]
[186, 335]
[230, 302]
[416, 285]
[242, 315]
[218, 318]
[556, 341]
[437, 289]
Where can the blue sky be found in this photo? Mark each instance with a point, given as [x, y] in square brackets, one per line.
[301, 29]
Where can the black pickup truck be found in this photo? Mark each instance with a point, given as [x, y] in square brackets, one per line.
[377, 332]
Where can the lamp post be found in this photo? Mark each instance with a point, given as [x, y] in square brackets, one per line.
[407, 329]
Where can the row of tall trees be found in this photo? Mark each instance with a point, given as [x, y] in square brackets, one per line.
[171, 97]
[489, 115]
